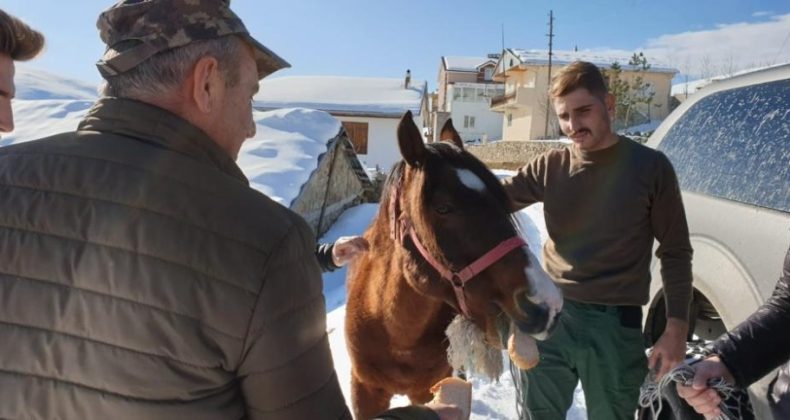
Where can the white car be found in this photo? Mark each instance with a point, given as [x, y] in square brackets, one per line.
[730, 146]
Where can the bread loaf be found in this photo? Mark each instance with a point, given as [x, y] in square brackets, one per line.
[522, 349]
[456, 392]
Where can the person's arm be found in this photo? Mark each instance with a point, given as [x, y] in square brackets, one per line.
[343, 251]
[286, 370]
[323, 253]
[762, 342]
[527, 185]
[668, 221]
[747, 353]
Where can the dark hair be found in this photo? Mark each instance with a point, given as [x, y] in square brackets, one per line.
[579, 74]
[17, 40]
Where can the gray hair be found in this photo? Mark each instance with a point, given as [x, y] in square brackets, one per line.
[164, 72]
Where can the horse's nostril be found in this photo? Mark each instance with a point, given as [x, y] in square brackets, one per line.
[536, 316]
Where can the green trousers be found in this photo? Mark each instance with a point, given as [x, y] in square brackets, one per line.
[590, 345]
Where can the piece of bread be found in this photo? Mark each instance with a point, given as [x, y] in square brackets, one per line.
[454, 391]
[523, 350]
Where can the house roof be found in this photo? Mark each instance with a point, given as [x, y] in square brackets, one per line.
[455, 63]
[378, 97]
[603, 59]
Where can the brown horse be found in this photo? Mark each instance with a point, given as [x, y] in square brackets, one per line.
[443, 243]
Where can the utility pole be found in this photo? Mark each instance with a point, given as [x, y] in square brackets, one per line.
[548, 98]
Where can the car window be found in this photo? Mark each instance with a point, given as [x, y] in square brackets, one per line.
[735, 144]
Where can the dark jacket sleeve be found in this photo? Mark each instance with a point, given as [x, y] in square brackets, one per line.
[412, 412]
[286, 371]
[323, 252]
[762, 342]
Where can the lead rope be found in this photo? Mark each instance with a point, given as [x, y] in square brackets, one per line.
[734, 401]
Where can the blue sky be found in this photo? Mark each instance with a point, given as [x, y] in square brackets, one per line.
[379, 38]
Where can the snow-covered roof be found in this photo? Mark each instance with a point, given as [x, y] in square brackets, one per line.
[603, 59]
[454, 63]
[32, 83]
[277, 161]
[384, 97]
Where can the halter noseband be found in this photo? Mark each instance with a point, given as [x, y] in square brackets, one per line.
[401, 225]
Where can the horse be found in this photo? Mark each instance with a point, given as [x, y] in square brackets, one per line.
[442, 243]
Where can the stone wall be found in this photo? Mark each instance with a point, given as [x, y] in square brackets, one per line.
[512, 154]
[346, 186]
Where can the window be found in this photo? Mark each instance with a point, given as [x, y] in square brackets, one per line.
[358, 134]
[733, 144]
[469, 121]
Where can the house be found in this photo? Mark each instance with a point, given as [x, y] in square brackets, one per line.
[527, 112]
[369, 108]
[465, 88]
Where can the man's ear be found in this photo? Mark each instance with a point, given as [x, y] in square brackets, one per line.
[206, 84]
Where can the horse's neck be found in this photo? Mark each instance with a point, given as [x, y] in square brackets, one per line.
[416, 314]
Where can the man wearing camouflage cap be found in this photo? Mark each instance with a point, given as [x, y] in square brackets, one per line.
[140, 276]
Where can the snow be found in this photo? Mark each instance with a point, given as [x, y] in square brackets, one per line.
[277, 161]
[491, 399]
[455, 63]
[348, 95]
[32, 83]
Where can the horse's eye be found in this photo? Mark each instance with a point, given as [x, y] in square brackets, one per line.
[443, 208]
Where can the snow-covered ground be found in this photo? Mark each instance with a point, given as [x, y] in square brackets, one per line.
[491, 400]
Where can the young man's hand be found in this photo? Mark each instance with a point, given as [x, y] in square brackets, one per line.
[701, 398]
[670, 349]
[347, 248]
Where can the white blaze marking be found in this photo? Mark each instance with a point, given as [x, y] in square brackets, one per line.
[470, 180]
[543, 289]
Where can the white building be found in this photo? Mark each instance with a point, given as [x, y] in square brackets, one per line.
[466, 87]
[368, 108]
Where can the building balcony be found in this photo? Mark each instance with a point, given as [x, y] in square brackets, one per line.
[520, 98]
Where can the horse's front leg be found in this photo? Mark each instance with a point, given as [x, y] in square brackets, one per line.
[366, 400]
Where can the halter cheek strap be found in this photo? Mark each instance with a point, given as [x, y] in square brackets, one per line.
[401, 226]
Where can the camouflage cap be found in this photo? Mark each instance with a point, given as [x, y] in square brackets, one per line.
[161, 25]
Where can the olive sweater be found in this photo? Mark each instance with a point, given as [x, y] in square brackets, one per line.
[602, 210]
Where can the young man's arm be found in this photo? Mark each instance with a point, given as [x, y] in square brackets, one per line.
[668, 219]
[527, 185]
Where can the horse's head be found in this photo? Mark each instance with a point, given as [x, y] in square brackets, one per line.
[460, 243]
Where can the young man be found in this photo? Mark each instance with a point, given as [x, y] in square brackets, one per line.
[140, 276]
[18, 42]
[606, 198]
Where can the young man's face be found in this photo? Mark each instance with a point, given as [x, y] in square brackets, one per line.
[7, 92]
[586, 119]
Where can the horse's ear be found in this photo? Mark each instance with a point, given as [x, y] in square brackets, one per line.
[450, 134]
[410, 141]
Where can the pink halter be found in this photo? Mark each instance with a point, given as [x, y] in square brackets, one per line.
[400, 226]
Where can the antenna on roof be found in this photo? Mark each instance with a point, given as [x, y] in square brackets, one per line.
[504, 67]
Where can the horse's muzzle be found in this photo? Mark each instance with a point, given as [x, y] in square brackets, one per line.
[537, 317]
